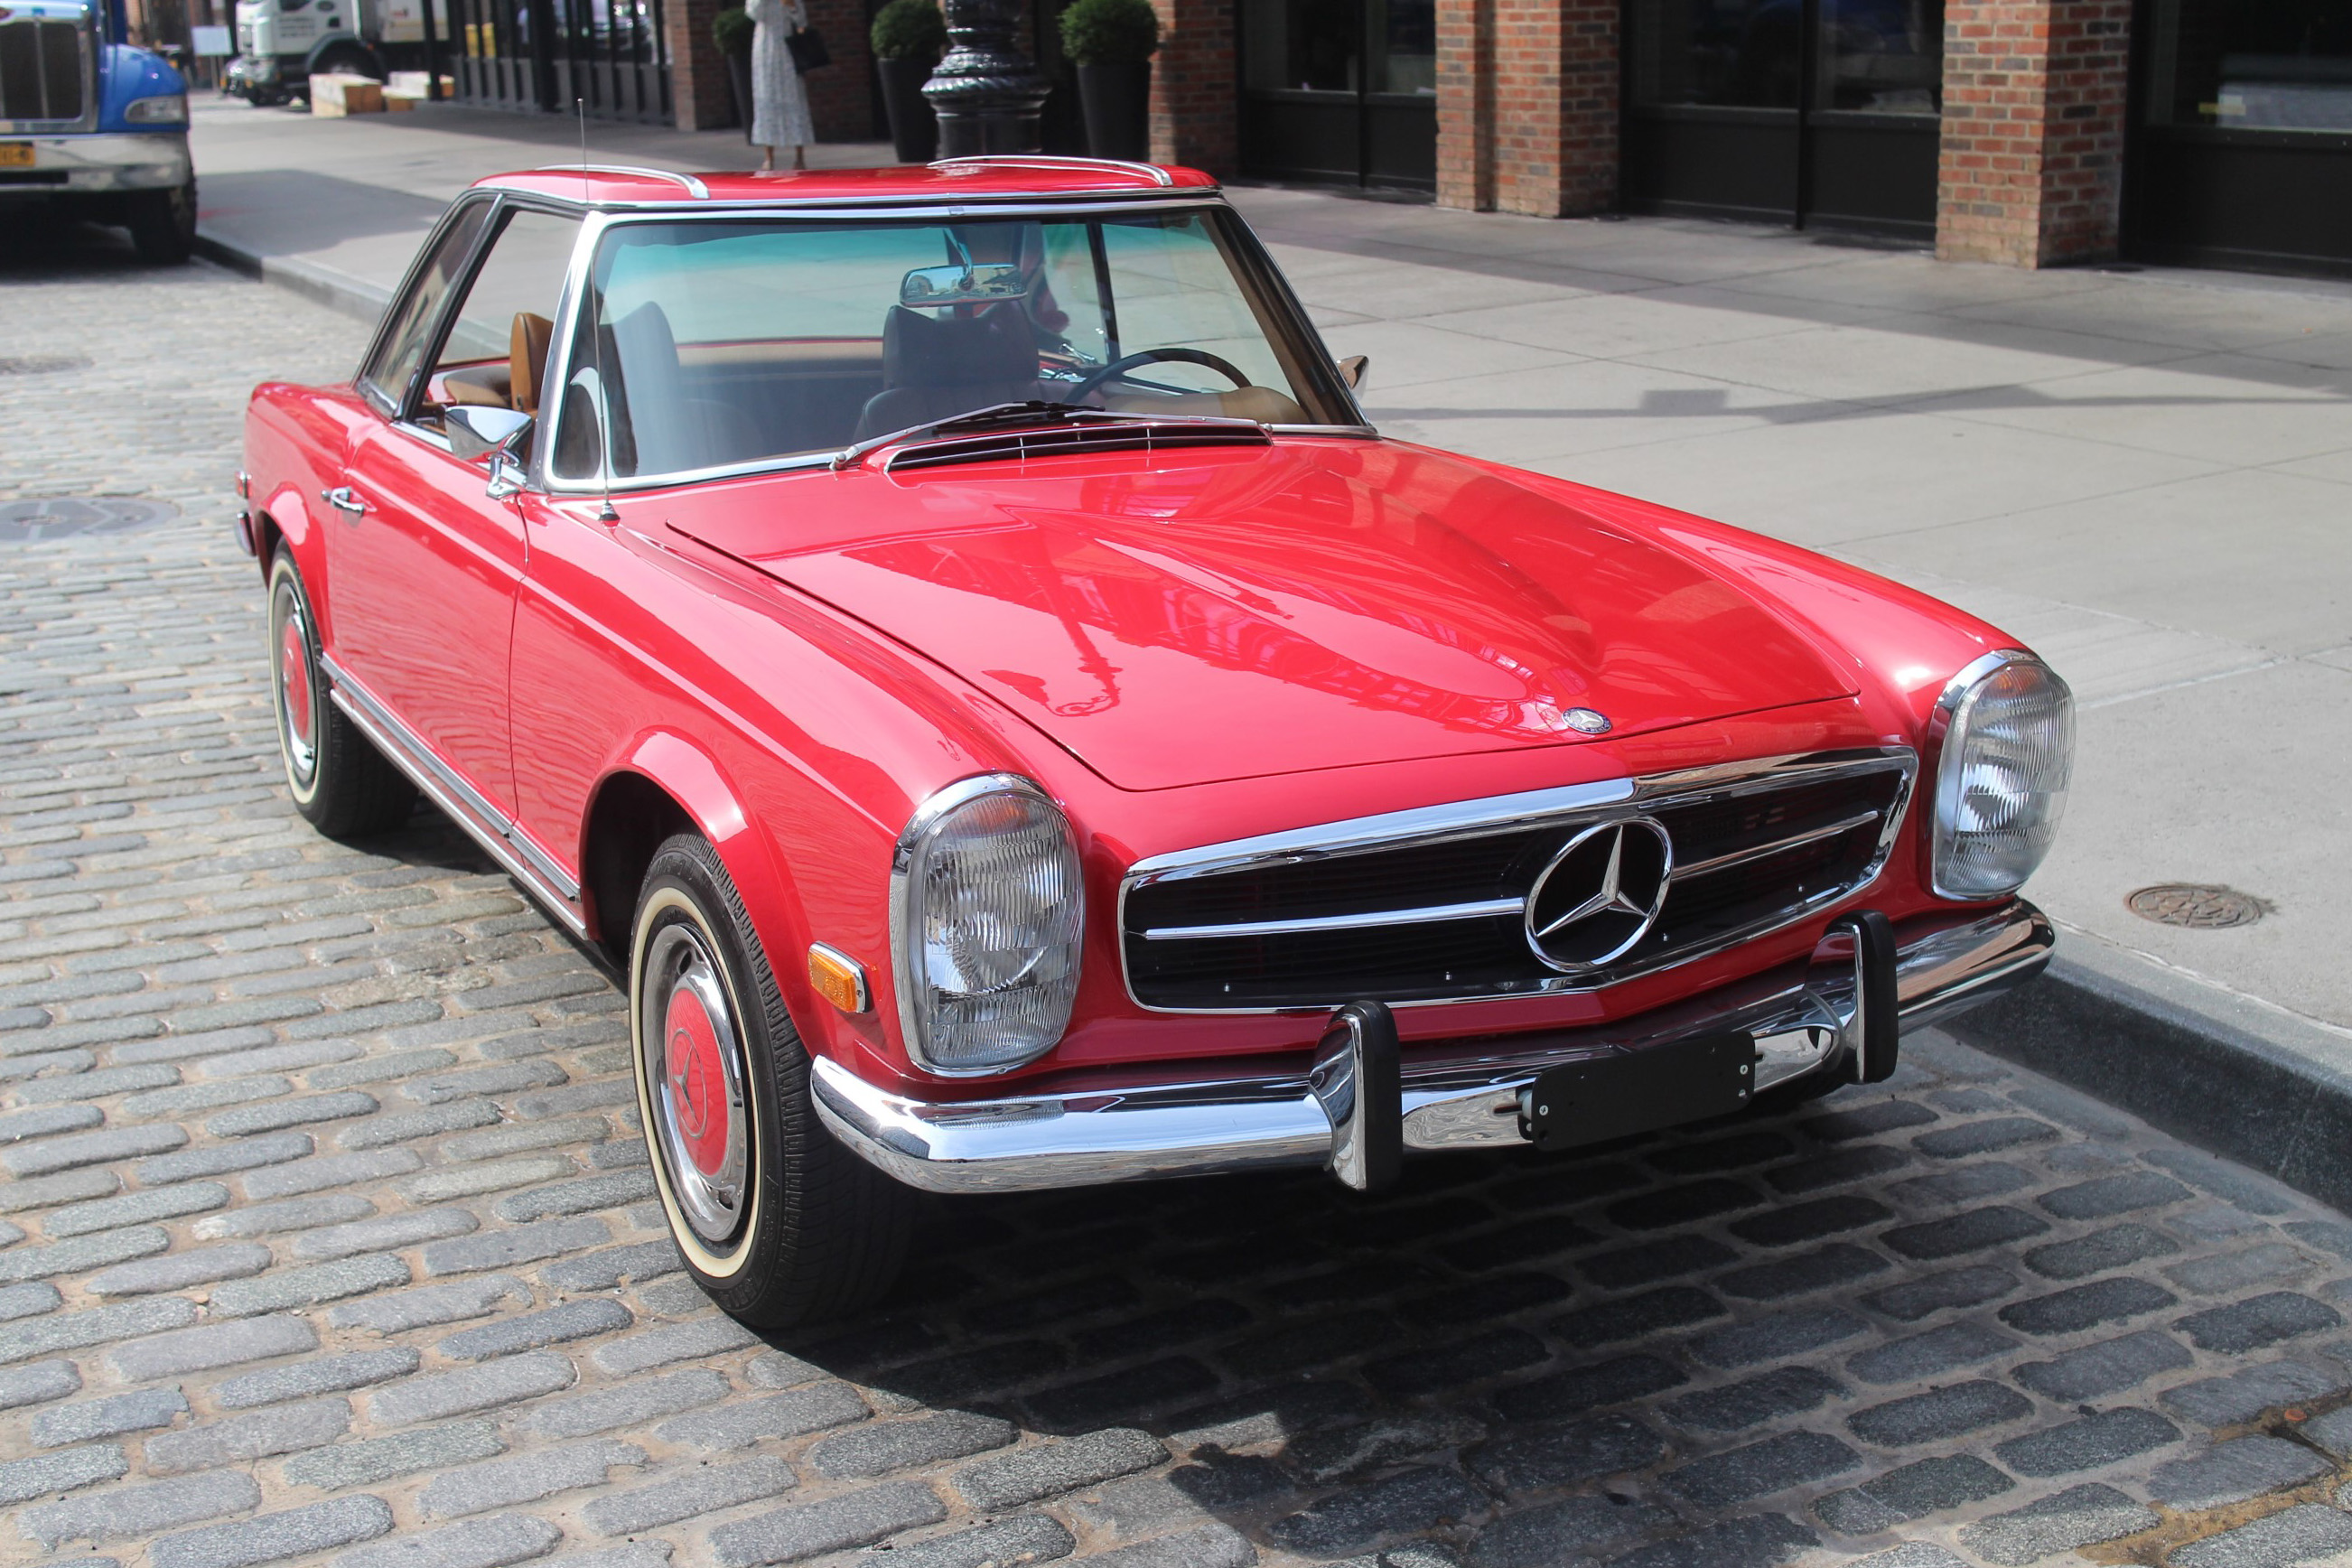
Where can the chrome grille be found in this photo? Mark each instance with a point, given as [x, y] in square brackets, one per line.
[1428, 906]
[42, 75]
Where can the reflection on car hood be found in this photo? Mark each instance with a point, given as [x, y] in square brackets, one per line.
[1204, 616]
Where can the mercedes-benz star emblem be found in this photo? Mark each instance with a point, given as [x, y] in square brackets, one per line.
[1601, 894]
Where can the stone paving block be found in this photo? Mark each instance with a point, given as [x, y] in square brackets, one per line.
[324, 1171]
[1637, 1316]
[2241, 1396]
[1911, 1492]
[529, 1330]
[2082, 1307]
[2261, 1321]
[274, 1218]
[1007, 1481]
[1798, 1223]
[1759, 1541]
[223, 1159]
[1912, 1554]
[1760, 1468]
[1928, 1294]
[28, 1338]
[380, 1070]
[801, 1530]
[2077, 1111]
[1860, 1164]
[2117, 1246]
[1203, 1546]
[2233, 1471]
[1927, 1355]
[2331, 1432]
[490, 1542]
[882, 1446]
[525, 1477]
[1652, 1262]
[137, 1512]
[2080, 1516]
[2087, 1444]
[212, 1345]
[1473, 1360]
[1829, 1267]
[488, 1176]
[1938, 1414]
[1975, 1231]
[373, 1459]
[315, 1375]
[2300, 1534]
[1616, 1380]
[2108, 1367]
[1783, 1392]
[2236, 1270]
[240, 1439]
[522, 1244]
[2234, 1183]
[41, 1121]
[601, 1270]
[1560, 1454]
[1776, 1338]
[1683, 1205]
[1866, 1121]
[100, 1148]
[580, 1196]
[1971, 1138]
[272, 1537]
[438, 1395]
[66, 1186]
[673, 1341]
[143, 1411]
[2106, 1195]
[384, 1233]
[431, 1305]
[682, 1494]
[1001, 1543]
[38, 1382]
[1959, 1184]
[1575, 1530]
[64, 1258]
[1321, 1457]
[406, 1126]
[179, 1270]
[1421, 1499]
[309, 1287]
[22, 1480]
[602, 1410]
[786, 1415]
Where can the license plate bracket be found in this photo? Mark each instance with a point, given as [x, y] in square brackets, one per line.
[16, 155]
[1594, 1101]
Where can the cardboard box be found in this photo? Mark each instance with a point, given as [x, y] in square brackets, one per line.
[335, 94]
[398, 102]
[414, 83]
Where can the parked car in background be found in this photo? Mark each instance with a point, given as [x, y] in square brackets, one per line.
[92, 128]
[951, 637]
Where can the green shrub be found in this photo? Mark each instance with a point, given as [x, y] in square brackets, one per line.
[909, 30]
[731, 30]
[1108, 32]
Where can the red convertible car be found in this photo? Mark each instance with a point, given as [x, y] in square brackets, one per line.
[951, 637]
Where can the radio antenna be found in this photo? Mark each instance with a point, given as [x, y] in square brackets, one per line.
[590, 307]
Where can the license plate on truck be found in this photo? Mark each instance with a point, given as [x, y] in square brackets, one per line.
[15, 155]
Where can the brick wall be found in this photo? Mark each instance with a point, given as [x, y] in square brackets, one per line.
[700, 98]
[1195, 87]
[2031, 160]
[1527, 105]
[841, 95]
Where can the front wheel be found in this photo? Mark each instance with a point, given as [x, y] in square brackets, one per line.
[339, 780]
[163, 225]
[778, 1223]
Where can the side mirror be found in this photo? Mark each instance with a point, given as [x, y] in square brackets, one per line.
[477, 430]
[1354, 368]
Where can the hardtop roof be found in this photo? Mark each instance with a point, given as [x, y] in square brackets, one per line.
[986, 179]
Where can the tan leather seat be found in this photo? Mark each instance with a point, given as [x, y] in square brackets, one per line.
[527, 360]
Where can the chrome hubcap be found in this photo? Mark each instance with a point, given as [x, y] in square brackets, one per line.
[695, 1064]
[296, 713]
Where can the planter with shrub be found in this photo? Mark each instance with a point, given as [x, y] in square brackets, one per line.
[1112, 42]
[908, 37]
[732, 30]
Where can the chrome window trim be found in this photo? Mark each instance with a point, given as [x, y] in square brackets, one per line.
[499, 835]
[392, 406]
[1573, 805]
[1153, 172]
[927, 816]
[687, 183]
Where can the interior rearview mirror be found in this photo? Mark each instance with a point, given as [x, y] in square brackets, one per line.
[932, 287]
[1354, 368]
[477, 430]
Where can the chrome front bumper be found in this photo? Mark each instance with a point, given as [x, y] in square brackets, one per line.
[1805, 1019]
[104, 162]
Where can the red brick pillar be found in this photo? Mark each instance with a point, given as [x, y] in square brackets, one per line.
[700, 97]
[2031, 168]
[1528, 105]
[1195, 86]
[841, 95]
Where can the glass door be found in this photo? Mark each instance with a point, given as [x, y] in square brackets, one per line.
[1794, 111]
[1340, 91]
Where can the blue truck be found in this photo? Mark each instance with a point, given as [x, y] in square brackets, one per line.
[93, 127]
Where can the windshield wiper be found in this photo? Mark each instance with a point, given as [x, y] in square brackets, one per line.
[996, 416]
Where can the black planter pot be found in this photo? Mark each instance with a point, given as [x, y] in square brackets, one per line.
[1117, 95]
[914, 125]
[738, 82]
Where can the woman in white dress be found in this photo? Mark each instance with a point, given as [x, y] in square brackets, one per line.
[780, 107]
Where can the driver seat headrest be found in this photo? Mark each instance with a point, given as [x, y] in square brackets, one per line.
[526, 359]
[995, 348]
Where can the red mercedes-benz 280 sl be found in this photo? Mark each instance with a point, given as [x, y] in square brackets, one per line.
[951, 637]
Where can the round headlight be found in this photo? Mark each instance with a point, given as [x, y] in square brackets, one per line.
[987, 915]
[2008, 752]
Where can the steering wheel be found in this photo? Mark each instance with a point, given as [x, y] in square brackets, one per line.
[1126, 363]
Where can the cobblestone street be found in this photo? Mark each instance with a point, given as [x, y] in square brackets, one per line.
[329, 1238]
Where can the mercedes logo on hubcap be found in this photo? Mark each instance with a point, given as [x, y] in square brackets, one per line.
[1601, 894]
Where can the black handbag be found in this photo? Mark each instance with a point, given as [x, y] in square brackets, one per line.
[809, 52]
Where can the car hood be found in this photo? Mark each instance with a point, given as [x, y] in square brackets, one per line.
[1215, 615]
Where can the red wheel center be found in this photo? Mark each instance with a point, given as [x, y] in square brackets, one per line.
[697, 1087]
[294, 677]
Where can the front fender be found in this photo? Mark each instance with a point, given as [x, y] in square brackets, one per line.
[693, 779]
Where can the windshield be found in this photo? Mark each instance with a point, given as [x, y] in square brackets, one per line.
[729, 343]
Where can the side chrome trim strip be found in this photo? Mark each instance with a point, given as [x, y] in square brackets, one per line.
[499, 835]
[687, 183]
[1153, 172]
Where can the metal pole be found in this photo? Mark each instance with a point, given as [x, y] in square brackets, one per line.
[986, 91]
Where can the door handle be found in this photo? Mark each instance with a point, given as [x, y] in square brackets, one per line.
[343, 500]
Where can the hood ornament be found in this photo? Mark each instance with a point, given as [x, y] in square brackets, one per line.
[1585, 721]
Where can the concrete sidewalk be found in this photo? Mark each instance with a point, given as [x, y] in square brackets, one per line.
[2148, 476]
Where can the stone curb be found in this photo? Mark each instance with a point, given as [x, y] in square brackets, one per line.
[2262, 1086]
[338, 291]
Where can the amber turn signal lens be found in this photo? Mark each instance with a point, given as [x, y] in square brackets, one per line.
[838, 978]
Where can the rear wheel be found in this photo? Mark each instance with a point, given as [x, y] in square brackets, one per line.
[778, 1223]
[163, 225]
[339, 780]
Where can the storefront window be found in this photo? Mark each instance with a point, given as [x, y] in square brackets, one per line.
[2252, 65]
[1882, 57]
[1320, 46]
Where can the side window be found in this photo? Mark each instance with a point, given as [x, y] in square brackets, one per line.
[402, 350]
[496, 350]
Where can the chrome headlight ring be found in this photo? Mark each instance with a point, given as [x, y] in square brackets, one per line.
[2003, 737]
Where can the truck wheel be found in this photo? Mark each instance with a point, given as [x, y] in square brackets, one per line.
[163, 225]
[339, 780]
[344, 59]
[778, 1223]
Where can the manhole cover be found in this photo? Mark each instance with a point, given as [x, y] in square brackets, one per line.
[2196, 905]
[41, 364]
[56, 518]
